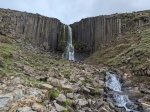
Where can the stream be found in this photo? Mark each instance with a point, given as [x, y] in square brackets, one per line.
[118, 96]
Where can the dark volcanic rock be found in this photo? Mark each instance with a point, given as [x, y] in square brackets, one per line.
[96, 31]
[39, 30]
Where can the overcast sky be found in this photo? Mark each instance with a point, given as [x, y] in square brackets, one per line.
[69, 11]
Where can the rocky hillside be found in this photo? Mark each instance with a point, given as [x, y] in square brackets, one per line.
[32, 80]
[39, 30]
[130, 56]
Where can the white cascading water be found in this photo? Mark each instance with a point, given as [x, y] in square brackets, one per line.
[69, 51]
[120, 100]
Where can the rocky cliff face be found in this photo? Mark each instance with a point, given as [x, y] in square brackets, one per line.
[39, 30]
[94, 33]
[89, 34]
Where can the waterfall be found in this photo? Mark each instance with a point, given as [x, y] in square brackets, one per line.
[119, 98]
[69, 51]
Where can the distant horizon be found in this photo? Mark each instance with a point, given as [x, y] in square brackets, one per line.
[69, 12]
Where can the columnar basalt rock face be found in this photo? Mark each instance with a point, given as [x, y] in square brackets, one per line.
[89, 34]
[39, 30]
[96, 31]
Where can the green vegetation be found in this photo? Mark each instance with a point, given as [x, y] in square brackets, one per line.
[132, 52]
[55, 94]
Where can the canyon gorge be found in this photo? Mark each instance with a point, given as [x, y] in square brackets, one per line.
[35, 77]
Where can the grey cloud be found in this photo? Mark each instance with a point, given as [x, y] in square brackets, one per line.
[69, 11]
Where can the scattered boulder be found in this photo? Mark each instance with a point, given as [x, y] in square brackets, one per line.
[38, 108]
[47, 86]
[70, 95]
[82, 102]
[61, 98]
[146, 107]
[25, 109]
[67, 87]
[103, 110]
[59, 108]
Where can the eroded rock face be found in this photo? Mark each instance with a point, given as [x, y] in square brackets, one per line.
[39, 30]
[96, 31]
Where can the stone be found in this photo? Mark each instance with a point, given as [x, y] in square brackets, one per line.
[76, 88]
[3, 102]
[38, 108]
[17, 80]
[5, 99]
[55, 82]
[67, 87]
[146, 107]
[47, 86]
[101, 83]
[70, 95]
[95, 83]
[25, 109]
[86, 89]
[59, 108]
[28, 69]
[111, 105]
[103, 110]
[70, 109]
[61, 98]
[82, 102]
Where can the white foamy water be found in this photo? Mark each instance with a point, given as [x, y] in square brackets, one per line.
[112, 82]
[69, 51]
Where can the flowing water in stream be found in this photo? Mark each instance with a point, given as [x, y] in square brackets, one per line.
[69, 51]
[119, 98]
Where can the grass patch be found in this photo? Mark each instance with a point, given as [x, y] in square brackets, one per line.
[126, 48]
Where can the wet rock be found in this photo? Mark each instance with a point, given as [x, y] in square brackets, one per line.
[59, 108]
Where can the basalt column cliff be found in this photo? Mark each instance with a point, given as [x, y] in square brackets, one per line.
[39, 30]
[94, 32]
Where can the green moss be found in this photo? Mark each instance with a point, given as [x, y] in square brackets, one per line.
[55, 94]
[77, 45]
